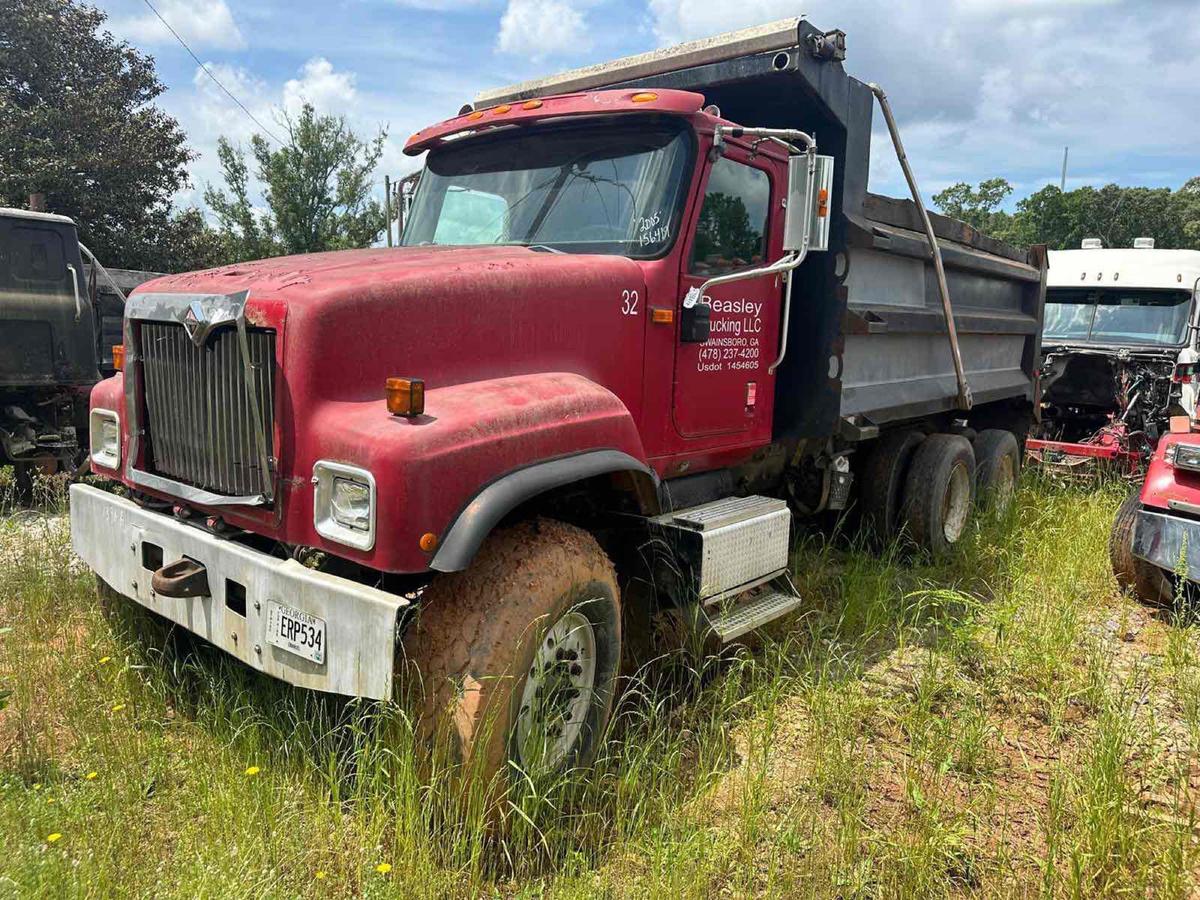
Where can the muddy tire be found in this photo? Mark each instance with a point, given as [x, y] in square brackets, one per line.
[882, 482]
[498, 658]
[938, 491]
[997, 465]
[1148, 583]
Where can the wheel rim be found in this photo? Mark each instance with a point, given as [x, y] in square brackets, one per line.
[956, 503]
[558, 693]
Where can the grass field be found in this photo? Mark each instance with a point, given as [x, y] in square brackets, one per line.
[1003, 724]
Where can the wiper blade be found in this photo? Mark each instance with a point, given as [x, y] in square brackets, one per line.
[544, 248]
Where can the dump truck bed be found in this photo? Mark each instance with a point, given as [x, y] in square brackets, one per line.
[868, 342]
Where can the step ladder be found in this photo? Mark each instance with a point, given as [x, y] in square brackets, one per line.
[735, 552]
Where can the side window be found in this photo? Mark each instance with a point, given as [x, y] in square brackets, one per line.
[732, 230]
[37, 255]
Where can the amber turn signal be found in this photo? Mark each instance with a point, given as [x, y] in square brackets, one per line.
[429, 542]
[118, 351]
[532, 104]
[661, 316]
[644, 97]
[822, 203]
[405, 396]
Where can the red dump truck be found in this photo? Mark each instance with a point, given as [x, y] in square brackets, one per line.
[641, 314]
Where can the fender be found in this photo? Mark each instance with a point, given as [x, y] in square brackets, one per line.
[480, 449]
[499, 498]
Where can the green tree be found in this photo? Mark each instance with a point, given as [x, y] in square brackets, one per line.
[724, 232]
[979, 207]
[79, 125]
[317, 190]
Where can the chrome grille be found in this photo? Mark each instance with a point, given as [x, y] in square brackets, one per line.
[201, 419]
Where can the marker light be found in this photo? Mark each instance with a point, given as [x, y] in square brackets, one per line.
[118, 353]
[822, 203]
[532, 104]
[428, 542]
[478, 114]
[661, 316]
[405, 396]
[644, 97]
[501, 109]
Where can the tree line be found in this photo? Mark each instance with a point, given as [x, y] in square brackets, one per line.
[1062, 219]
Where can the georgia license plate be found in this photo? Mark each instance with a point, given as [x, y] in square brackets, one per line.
[295, 631]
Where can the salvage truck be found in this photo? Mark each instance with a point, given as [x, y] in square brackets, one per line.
[1119, 354]
[642, 314]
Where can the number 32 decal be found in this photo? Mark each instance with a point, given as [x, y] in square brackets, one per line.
[629, 303]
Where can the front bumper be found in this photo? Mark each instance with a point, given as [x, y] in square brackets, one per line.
[108, 533]
[1168, 541]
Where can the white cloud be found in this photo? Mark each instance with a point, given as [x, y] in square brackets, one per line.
[540, 28]
[327, 90]
[201, 23]
[997, 87]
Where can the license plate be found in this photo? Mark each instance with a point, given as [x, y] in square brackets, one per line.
[295, 631]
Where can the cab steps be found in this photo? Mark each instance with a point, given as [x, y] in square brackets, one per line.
[736, 552]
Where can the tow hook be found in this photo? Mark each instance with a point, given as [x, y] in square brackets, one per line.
[182, 578]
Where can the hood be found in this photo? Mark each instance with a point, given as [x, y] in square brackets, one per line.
[448, 315]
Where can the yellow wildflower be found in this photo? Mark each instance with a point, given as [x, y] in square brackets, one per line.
[252, 771]
[117, 707]
[91, 776]
[49, 799]
[37, 785]
[320, 876]
[104, 659]
[53, 837]
[383, 868]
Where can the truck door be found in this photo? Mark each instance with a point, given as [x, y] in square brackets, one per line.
[722, 390]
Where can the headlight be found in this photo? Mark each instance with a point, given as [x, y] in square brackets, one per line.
[104, 438]
[1183, 456]
[344, 504]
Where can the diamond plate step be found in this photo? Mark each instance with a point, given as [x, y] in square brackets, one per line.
[739, 618]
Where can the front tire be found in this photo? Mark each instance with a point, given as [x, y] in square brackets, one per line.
[518, 656]
[1148, 583]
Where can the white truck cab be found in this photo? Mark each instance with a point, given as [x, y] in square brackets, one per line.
[1119, 342]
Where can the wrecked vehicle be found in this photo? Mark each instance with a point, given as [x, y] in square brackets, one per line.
[1154, 546]
[624, 338]
[1118, 354]
[54, 311]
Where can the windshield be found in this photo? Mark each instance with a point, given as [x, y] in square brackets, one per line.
[1117, 316]
[580, 189]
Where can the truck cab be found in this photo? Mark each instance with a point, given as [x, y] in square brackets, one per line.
[47, 343]
[642, 314]
[1119, 350]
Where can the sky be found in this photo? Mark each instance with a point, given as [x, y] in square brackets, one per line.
[981, 88]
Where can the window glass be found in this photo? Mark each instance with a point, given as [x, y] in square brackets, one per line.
[732, 231]
[1117, 315]
[579, 189]
[37, 255]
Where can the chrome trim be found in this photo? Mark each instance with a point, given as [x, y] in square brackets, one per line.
[324, 474]
[210, 311]
[102, 458]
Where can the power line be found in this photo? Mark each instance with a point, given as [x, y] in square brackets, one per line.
[209, 73]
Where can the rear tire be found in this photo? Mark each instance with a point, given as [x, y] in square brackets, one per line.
[504, 651]
[882, 480]
[938, 492]
[1148, 583]
[997, 465]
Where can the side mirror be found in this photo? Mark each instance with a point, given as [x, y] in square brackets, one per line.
[808, 209]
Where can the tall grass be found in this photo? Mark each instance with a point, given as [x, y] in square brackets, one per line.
[923, 729]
